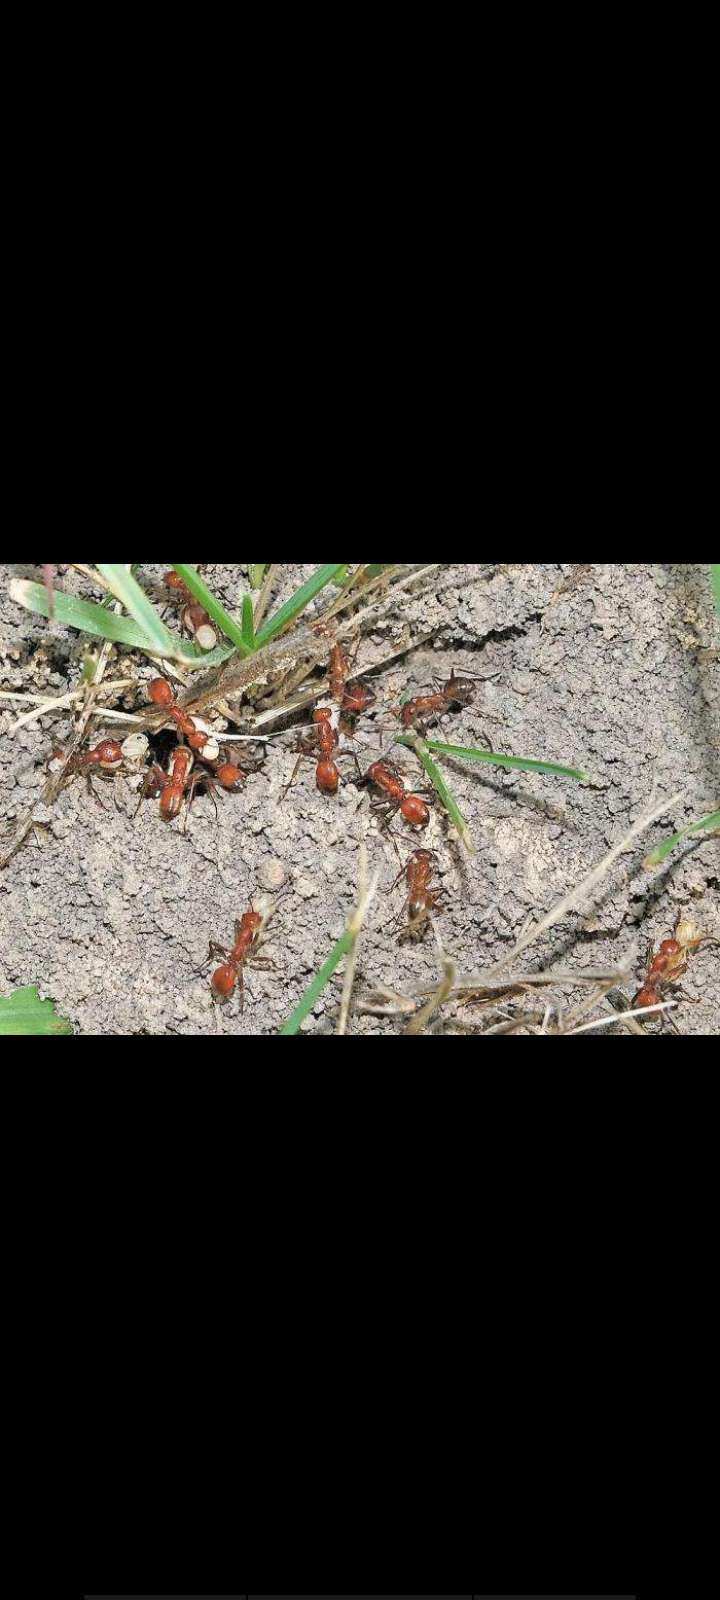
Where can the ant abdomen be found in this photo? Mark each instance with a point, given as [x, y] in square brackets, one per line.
[224, 982]
[328, 777]
[230, 776]
[415, 811]
[108, 755]
[171, 801]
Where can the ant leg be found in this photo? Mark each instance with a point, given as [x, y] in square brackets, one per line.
[398, 879]
[353, 658]
[214, 951]
[689, 999]
[395, 921]
[94, 793]
[396, 848]
[154, 782]
[298, 765]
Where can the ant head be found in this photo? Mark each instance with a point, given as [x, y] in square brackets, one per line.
[160, 693]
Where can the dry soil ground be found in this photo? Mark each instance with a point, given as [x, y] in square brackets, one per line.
[609, 667]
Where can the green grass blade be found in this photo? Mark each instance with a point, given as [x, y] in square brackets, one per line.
[319, 983]
[200, 592]
[516, 763]
[422, 750]
[25, 1014]
[248, 622]
[127, 590]
[86, 615]
[101, 622]
[709, 824]
[299, 602]
[257, 573]
[715, 570]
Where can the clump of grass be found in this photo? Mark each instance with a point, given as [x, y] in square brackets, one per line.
[143, 628]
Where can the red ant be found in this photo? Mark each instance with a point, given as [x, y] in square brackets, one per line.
[248, 932]
[352, 696]
[162, 694]
[185, 778]
[171, 788]
[358, 698]
[669, 964]
[387, 779]
[457, 692]
[321, 745]
[193, 615]
[107, 758]
[422, 898]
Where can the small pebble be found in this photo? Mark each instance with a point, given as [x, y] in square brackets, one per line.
[272, 873]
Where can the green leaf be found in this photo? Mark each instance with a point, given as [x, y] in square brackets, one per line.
[320, 982]
[248, 622]
[299, 602]
[127, 590]
[25, 1014]
[86, 615]
[707, 824]
[422, 750]
[516, 763]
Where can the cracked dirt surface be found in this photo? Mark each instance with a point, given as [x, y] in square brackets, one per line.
[609, 667]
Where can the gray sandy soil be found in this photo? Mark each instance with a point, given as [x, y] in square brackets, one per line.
[610, 668]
